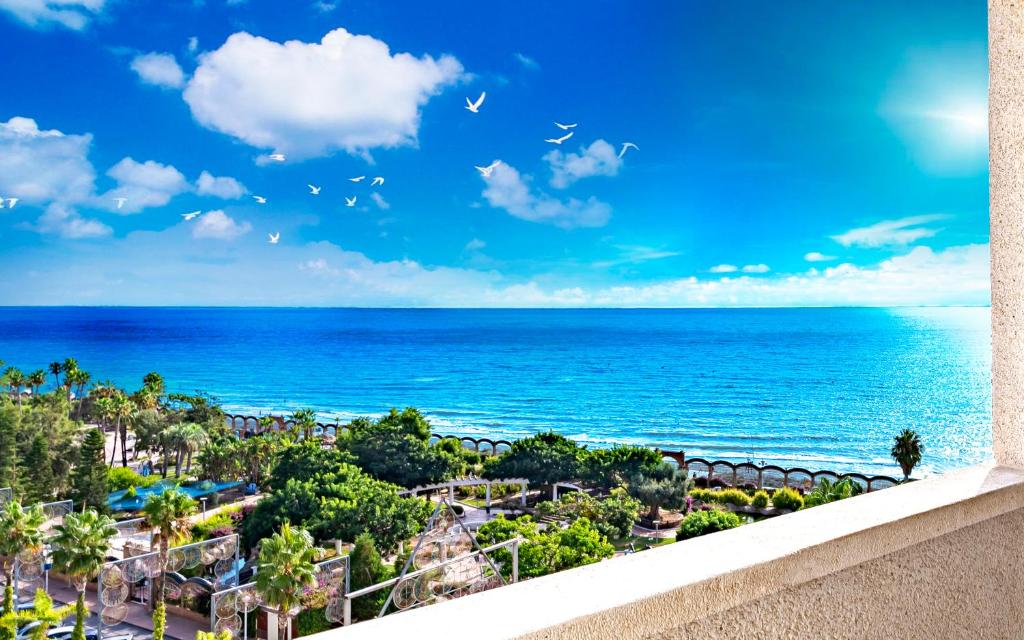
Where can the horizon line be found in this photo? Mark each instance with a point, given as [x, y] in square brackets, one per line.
[506, 308]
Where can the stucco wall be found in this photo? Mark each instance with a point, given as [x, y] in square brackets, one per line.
[966, 584]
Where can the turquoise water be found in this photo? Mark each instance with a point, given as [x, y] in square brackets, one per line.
[118, 501]
[822, 388]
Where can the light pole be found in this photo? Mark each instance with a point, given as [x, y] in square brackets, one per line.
[203, 500]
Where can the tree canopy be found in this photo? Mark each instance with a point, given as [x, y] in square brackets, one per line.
[545, 458]
[544, 552]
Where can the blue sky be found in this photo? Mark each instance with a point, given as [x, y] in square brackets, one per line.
[789, 153]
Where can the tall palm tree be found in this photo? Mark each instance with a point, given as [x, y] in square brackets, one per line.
[77, 380]
[285, 569]
[69, 367]
[79, 551]
[55, 370]
[104, 410]
[123, 411]
[906, 451]
[186, 438]
[20, 530]
[168, 513]
[154, 382]
[35, 380]
[305, 422]
[15, 380]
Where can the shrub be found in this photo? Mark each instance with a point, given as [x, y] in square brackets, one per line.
[206, 529]
[735, 497]
[119, 478]
[310, 621]
[704, 495]
[699, 523]
[760, 500]
[787, 498]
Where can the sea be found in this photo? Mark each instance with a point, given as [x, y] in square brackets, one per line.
[816, 388]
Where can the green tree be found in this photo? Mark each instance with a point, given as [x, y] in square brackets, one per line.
[9, 419]
[609, 468]
[663, 486]
[37, 477]
[389, 453]
[186, 439]
[613, 516]
[89, 482]
[544, 552]
[55, 370]
[544, 459]
[367, 569]
[155, 382]
[15, 380]
[36, 379]
[409, 420]
[80, 548]
[907, 451]
[304, 422]
[168, 513]
[20, 530]
[700, 523]
[285, 569]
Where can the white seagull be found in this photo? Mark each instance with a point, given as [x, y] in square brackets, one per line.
[565, 127]
[260, 199]
[488, 170]
[120, 202]
[350, 202]
[276, 157]
[11, 202]
[627, 145]
[191, 215]
[559, 140]
[377, 181]
[314, 190]
[272, 238]
[357, 179]
[475, 106]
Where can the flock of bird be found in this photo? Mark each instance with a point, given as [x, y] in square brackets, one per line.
[378, 181]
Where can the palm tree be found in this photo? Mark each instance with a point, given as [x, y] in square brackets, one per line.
[15, 379]
[285, 569]
[104, 410]
[20, 530]
[305, 421]
[187, 438]
[154, 382]
[36, 379]
[168, 513]
[906, 451]
[69, 367]
[79, 551]
[123, 411]
[78, 379]
[55, 372]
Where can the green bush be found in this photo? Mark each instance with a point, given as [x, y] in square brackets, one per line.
[787, 498]
[736, 497]
[699, 523]
[760, 499]
[310, 621]
[704, 495]
[201, 530]
[120, 478]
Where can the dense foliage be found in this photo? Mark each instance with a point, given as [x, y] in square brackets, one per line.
[368, 569]
[663, 486]
[827, 491]
[609, 468]
[786, 498]
[544, 551]
[699, 523]
[543, 459]
[613, 516]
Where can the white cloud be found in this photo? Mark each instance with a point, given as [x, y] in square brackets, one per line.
[219, 186]
[476, 244]
[319, 266]
[160, 69]
[507, 189]
[143, 184]
[218, 225]
[636, 254]
[599, 159]
[65, 221]
[346, 92]
[380, 201]
[193, 44]
[723, 268]
[756, 268]
[890, 232]
[526, 61]
[73, 14]
[817, 256]
[325, 7]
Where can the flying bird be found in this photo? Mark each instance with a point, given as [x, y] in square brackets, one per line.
[350, 202]
[11, 202]
[377, 182]
[272, 238]
[488, 170]
[559, 140]
[357, 179]
[314, 190]
[120, 202]
[276, 157]
[260, 199]
[190, 216]
[475, 106]
[565, 127]
[627, 145]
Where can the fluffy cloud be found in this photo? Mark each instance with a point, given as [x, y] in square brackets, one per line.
[890, 232]
[220, 187]
[73, 14]
[346, 92]
[507, 189]
[217, 225]
[723, 268]
[380, 201]
[756, 268]
[526, 61]
[817, 256]
[143, 184]
[599, 159]
[160, 69]
[65, 221]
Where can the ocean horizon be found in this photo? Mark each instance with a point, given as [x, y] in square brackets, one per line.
[819, 387]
